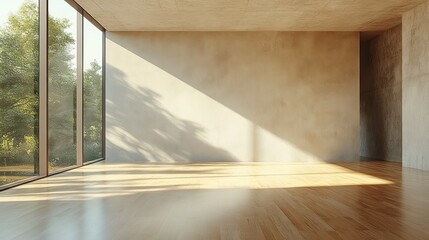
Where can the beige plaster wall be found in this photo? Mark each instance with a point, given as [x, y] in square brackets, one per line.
[415, 88]
[232, 96]
[381, 96]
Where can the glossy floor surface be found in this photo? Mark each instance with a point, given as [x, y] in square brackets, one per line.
[367, 200]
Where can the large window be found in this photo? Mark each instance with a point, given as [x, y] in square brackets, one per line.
[62, 67]
[51, 88]
[93, 92]
[19, 82]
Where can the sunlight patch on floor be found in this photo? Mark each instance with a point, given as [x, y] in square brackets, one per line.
[106, 180]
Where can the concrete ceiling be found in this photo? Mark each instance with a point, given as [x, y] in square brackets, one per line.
[252, 15]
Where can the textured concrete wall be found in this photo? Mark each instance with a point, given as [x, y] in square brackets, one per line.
[223, 96]
[415, 88]
[381, 96]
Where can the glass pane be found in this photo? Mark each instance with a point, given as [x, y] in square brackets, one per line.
[62, 62]
[19, 83]
[93, 92]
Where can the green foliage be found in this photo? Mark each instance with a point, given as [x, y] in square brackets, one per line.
[93, 115]
[19, 93]
[19, 74]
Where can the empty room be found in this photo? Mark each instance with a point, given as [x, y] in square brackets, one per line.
[214, 119]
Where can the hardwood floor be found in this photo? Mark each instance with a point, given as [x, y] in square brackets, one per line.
[367, 200]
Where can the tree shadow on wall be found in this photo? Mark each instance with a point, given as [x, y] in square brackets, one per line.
[296, 87]
[151, 133]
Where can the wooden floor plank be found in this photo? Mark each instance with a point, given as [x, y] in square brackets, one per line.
[365, 200]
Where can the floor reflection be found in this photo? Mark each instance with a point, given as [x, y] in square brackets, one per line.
[369, 200]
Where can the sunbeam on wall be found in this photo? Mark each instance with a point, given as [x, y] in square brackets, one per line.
[216, 97]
